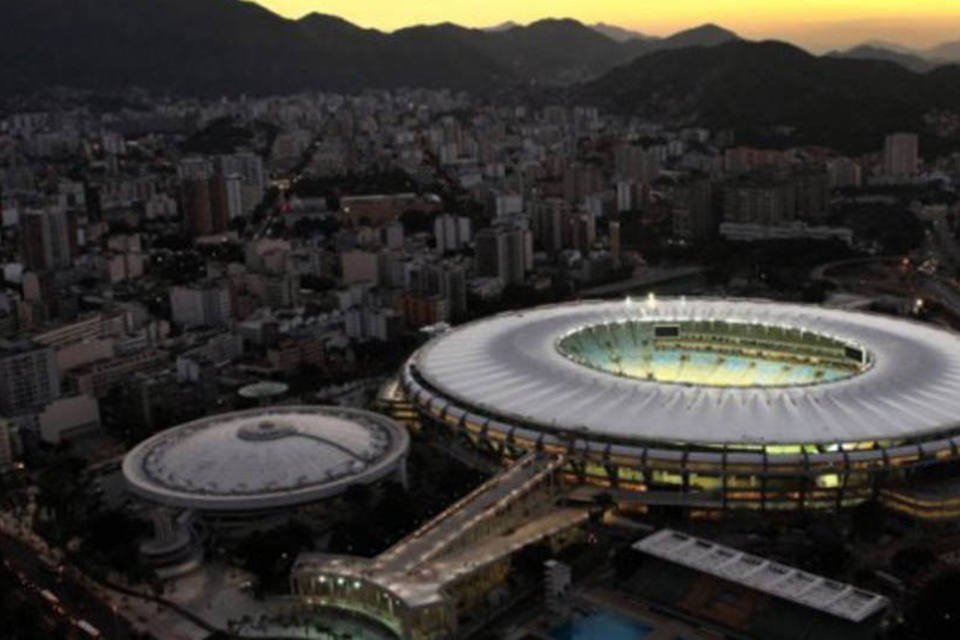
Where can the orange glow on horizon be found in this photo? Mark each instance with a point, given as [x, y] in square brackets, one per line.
[813, 23]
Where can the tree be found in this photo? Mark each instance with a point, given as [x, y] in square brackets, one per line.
[270, 554]
[936, 613]
[61, 485]
[626, 563]
[912, 560]
[864, 521]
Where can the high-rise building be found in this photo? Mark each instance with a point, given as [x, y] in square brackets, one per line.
[627, 196]
[233, 185]
[452, 232]
[248, 165]
[740, 159]
[29, 379]
[487, 253]
[506, 205]
[449, 279]
[193, 168]
[195, 205]
[505, 253]
[580, 181]
[49, 239]
[203, 305]
[208, 197]
[6, 445]
[393, 235]
[243, 175]
[813, 192]
[580, 231]
[760, 200]
[901, 154]
[219, 204]
[161, 205]
[360, 266]
[844, 172]
[616, 242]
[420, 310]
[694, 214]
[278, 291]
[547, 218]
[635, 163]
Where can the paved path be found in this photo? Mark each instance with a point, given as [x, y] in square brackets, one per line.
[78, 602]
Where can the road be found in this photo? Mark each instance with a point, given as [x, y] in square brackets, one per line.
[77, 601]
[946, 248]
[944, 292]
[822, 272]
[273, 212]
[946, 244]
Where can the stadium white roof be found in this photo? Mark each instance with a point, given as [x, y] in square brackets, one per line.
[265, 458]
[825, 595]
[263, 390]
[508, 367]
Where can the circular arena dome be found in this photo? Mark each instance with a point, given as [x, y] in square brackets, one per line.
[702, 395]
[264, 390]
[265, 458]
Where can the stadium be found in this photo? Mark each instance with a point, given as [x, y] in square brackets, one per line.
[240, 468]
[703, 404]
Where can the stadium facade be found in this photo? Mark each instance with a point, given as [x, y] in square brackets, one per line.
[704, 404]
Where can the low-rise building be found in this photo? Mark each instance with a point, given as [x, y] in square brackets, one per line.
[96, 378]
[68, 418]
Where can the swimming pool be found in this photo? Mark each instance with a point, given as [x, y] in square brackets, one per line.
[601, 625]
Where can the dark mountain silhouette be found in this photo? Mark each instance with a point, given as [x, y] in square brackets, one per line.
[886, 44]
[762, 85]
[554, 51]
[707, 35]
[906, 60]
[949, 51]
[705, 75]
[214, 47]
[943, 53]
[619, 34]
[503, 26]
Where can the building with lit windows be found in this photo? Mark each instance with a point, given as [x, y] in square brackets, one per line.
[28, 377]
[709, 405]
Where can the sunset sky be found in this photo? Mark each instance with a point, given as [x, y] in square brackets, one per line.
[816, 24]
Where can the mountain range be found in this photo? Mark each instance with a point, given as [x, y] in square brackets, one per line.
[705, 75]
[228, 46]
[771, 86]
[619, 33]
[920, 60]
[906, 60]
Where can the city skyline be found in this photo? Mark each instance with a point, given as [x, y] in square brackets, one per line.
[818, 25]
[415, 320]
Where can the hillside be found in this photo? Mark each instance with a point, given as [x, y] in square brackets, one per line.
[751, 86]
[905, 60]
[211, 47]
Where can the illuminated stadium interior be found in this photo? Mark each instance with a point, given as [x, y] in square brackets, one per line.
[714, 353]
